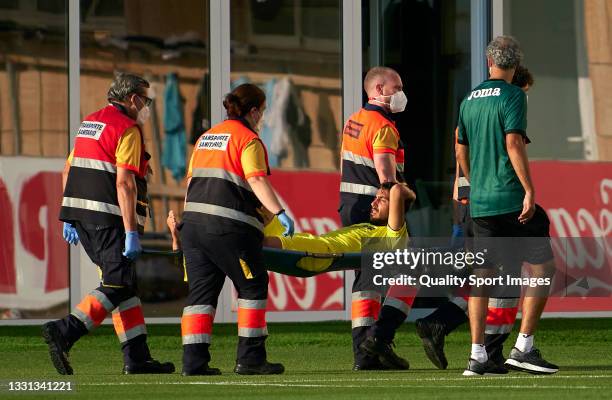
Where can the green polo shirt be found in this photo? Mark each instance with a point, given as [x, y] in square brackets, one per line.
[489, 112]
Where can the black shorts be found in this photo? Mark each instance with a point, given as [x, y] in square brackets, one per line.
[464, 218]
[503, 236]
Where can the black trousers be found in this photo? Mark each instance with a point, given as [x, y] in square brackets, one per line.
[209, 258]
[104, 246]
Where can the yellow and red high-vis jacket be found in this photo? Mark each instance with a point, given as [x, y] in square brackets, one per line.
[359, 175]
[219, 196]
[90, 195]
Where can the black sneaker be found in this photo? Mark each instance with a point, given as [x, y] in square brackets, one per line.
[530, 361]
[149, 367]
[432, 336]
[267, 368]
[58, 348]
[488, 367]
[204, 370]
[497, 358]
[376, 347]
[374, 365]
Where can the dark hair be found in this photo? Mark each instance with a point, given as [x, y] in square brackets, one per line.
[522, 77]
[387, 185]
[240, 101]
[124, 85]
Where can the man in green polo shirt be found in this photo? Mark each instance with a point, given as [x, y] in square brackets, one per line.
[491, 152]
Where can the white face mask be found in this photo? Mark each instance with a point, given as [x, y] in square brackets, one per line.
[397, 103]
[143, 115]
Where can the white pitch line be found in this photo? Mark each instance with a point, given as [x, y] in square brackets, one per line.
[226, 383]
[378, 379]
[272, 384]
[459, 378]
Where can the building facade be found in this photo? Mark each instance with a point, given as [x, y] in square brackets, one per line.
[57, 58]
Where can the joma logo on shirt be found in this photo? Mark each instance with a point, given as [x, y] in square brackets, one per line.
[484, 93]
[211, 141]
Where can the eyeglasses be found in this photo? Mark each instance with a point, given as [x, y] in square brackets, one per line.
[147, 100]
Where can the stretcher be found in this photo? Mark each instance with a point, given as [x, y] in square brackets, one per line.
[287, 262]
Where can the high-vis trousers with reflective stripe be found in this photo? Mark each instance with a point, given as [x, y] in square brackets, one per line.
[394, 311]
[365, 305]
[501, 315]
[115, 294]
[209, 258]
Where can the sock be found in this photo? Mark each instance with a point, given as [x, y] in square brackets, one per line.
[524, 342]
[479, 353]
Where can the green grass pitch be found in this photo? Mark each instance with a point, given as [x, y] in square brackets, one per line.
[318, 359]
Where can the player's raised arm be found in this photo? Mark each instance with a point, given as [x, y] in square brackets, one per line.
[400, 197]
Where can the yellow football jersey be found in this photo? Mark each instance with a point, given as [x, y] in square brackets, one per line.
[343, 240]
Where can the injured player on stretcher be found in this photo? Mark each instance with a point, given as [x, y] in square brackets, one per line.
[306, 252]
[387, 220]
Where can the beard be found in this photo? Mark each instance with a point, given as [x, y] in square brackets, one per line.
[378, 221]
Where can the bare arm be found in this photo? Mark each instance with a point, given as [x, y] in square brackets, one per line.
[172, 226]
[517, 152]
[462, 153]
[126, 194]
[385, 167]
[264, 192]
[398, 196]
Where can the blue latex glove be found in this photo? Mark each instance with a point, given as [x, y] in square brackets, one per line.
[286, 222]
[132, 245]
[457, 237]
[70, 234]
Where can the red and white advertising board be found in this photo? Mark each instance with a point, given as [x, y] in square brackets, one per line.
[33, 254]
[578, 199]
[34, 258]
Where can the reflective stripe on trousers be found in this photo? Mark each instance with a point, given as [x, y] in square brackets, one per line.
[501, 315]
[402, 304]
[128, 320]
[92, 310]
[252, 318]
[197, 323]
[461, 302]
[401, 297]
[365, 307]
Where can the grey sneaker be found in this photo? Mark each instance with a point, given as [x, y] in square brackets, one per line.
[530, 361]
